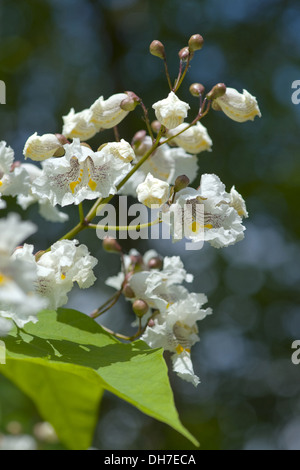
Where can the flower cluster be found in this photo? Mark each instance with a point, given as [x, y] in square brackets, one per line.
[170, 311]
[157, 168]
[208, 213]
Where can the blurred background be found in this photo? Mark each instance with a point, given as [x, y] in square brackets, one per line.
[55, 55]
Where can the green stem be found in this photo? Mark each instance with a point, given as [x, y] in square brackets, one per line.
[121, 228]
[145, 111]
[179, 82]
[81, 213]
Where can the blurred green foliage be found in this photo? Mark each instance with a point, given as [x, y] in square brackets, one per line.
[56, 55]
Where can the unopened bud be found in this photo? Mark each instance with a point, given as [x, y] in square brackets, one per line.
[111, 245]
[184, 54]
[62, 139]
[216, 92]
[128, 104]
[196, 89]
[155, 126]
[196, 42]
[155, 263]
[181, 182]
[131, 102]
[157, 49]
[59, 152]
[128, 292]
[138, 138]
[140, 307]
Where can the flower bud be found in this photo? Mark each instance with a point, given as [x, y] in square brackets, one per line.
[153, 191]
[128, 292]
[131, 102]
[157, 49]
[111, 245]
[62, 139]
[140, 307]
[240, 107]
[128, 104]
[181, 182]
[40, 148]
[184, 54]
[155, 263]
[138, 138]
[196, 89]
[216, 92]
[155, 126]
[196, 42]
[171, 111]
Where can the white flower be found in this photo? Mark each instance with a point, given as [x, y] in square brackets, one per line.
[165, 164]
[46, 209]
[40, 148]
[13, 179]
[206, 214]
[59, 268]
[238, 203]
[171, 111]
[176, 330]
[108, 113]
[153, 191]
[78, 125]
[237, 106]
[12, 232]
[18, 273]
[194, 140]
[80, 174]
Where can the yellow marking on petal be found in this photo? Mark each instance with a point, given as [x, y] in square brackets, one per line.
[73, 186]
[168, 305]
[3, 279]
[188, 350]
[1, 183]
[209, 226]
[92, 185]
[179, 349]
[63, 276]
[195, 227]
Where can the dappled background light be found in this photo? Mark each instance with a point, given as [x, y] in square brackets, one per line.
[56, 55]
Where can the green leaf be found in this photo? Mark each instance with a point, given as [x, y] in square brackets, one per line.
[65, 362]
